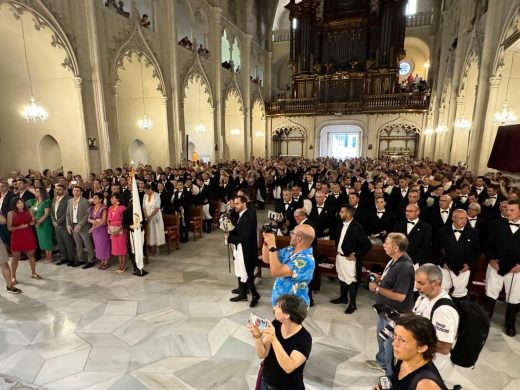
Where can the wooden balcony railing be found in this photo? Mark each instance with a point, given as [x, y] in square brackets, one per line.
[419, 19]
[281, 35]
[416, 102]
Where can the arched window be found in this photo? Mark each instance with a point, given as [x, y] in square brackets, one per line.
[225, 48]
[411, 7]
[235, 54]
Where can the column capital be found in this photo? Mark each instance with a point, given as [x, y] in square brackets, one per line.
[78, 81]
[494, 82]
[164, 99]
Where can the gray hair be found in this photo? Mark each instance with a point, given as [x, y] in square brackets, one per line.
[300, 213]
[399, 240]
[432, 272]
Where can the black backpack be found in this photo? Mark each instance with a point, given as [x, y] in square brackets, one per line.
[472, 332]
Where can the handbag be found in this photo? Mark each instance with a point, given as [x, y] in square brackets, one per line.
[115, 230]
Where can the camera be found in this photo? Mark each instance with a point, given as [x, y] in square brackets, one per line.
[372, 278]
[270, 227]
[393, 315]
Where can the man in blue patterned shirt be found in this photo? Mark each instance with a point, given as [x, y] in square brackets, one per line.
[293, 266]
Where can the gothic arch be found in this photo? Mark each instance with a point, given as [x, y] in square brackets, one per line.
[42, 17]
[194, 73]
[510, 34]
[288, 140]
[234, 89]
[136, 43]
[472, 56]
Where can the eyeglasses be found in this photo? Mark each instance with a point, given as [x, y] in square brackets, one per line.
[399, 339]
[292, 233]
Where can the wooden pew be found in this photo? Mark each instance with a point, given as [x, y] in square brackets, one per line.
[171, 230]
[196, 221]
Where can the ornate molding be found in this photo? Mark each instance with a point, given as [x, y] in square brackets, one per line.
[196, 73]
[234, 89]
[136, 43]
[398, 129]
[43, 18]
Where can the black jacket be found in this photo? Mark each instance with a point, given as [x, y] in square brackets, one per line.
[324, 220]
[245, 233]
[419, 240]
[457, 253]
[356, 240]
[503, 245]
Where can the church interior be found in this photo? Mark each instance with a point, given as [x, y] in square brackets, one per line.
[89, 86]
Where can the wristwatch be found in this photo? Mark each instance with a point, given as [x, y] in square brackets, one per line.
[273, 249]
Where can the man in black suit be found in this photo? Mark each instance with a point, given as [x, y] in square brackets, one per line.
[459, 250]
[308, 186]
[491, 206]
[297, 196]
[322, 215]
[476, 221]
[353, 244]
[244, 238]
[336, 199]
[181, 202]
[399, 194]
[58, 213]
[225, 190]
[503, 271]
[413, 198]
[479, 189]
[23, 193]
[380, 220]
[286, 207]
[360, 213]
[440, 215]
[418, 233]
[204, 200]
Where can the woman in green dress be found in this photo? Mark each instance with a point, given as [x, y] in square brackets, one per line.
[40, 208]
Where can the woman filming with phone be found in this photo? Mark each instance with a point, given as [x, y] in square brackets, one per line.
[285, 345]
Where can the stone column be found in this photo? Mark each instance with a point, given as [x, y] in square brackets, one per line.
[97, 84]
[215, 28]
[244, 74]
[455, 147]
[174, 109]
[83, 130]
[489, 130]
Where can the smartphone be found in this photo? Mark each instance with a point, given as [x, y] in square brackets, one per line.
[257, 321]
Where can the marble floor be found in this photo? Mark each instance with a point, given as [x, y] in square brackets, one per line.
[176, 329]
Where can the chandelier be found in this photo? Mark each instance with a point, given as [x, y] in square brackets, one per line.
[259, 134]
[504, 117]
[441, 129]
[235, 132]
[32, 112]
[200, 128]
[428, 131]
[145, 123]
[462, 124]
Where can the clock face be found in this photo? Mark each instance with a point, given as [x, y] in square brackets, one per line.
[404, 68]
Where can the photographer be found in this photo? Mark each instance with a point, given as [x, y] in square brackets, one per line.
[293, 266]
[445, 319]
[394, 291]
[414, 346]
[285, 345]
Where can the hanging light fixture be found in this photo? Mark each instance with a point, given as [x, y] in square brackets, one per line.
[235, 132]
[32, 112]
[505, 116]
[462, 124]
[441, 129]
[428, 131]
[145, 123]
[259, 134]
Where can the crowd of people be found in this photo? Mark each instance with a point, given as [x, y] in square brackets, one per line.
[434, 221]
[188, 44]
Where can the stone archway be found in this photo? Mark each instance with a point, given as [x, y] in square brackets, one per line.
[258, 129]
[342, 140]
[50, 153]
[138, 152]
[234, 126]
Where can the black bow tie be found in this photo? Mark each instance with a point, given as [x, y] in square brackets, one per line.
[445, 211]
[457, 231]
[287, 204]
[413, 223]
[472, 219]
[492, 197]
[380, 212]
[514, 224]
[320, 207]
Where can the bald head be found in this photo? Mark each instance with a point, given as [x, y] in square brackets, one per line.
[306, 232]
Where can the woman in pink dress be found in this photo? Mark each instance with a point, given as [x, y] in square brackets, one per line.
[23, 239]
[116, 231]
[97, 217]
